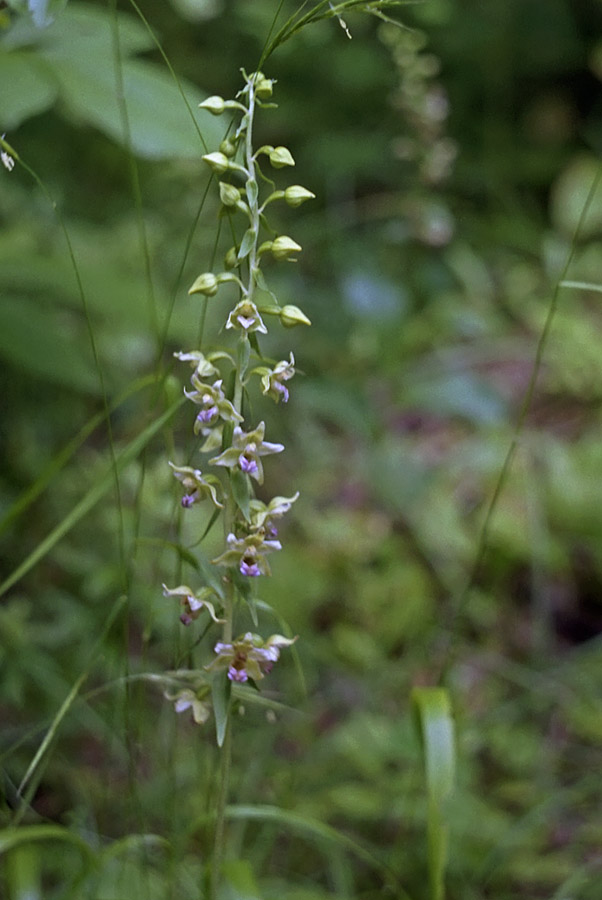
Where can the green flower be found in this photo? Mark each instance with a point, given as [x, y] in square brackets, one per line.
[215, 105]
[217, 162]
[246, 452]
[249, 656]
[196, 486]
[206, 284]
[248, 554]
[283, 247]
[296, 194]
[188, 699]
[215, 410]
[280, 157]
[290, 316]
[262, 513]
[193, 603]
[245, 316]
[272, 380]
[204, 368]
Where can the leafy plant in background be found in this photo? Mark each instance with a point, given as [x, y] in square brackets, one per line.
[249, 524]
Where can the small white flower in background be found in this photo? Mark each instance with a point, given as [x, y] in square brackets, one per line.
[7, 160]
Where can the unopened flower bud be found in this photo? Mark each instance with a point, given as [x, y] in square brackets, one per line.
[283, 247]
[228, 147]
[217, 162]
[206, 284]
[263, 86]
[215, 105]
[280, 157]
[290, 316]
[295, 195]
[228, 194]
[231, 258]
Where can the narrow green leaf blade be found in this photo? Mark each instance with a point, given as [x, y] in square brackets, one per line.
[96, 492]
[220, 692]
[432, 709]
[241, 493]
[25, 834]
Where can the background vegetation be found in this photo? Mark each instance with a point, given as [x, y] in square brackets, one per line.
[452, 162]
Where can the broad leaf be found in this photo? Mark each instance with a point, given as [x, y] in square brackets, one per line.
[28, 88]
[40, 342]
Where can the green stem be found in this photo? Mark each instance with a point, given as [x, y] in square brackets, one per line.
[220, 823]
[252, 198]
[229, 520]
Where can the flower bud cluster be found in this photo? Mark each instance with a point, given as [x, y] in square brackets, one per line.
[424, 105]
[220, 382]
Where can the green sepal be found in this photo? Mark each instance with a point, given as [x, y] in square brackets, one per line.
[252, 190]
[255, 344]
[230, 385]
[262, 284]
[221, 688]
[243, 125]
[214, 517]
[248, 239]
[241, 491]
[227, 435]
[185, 554]
[243, 586]
[244, 354]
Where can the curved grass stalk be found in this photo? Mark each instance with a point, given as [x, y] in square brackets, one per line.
[324, 836]
[91, 498]
[64, 709]
[481, 549]
[325, 9]
[134, 171]
[68, 451]
[93, 344]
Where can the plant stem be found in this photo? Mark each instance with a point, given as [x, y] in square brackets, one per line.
[252, 194]
[219, 836]
[229, 520]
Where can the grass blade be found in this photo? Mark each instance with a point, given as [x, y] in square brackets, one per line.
[89, 501]
[67, 703]
[432, 709]
[323, 835]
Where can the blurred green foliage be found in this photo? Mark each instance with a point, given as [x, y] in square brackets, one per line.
[452, 160]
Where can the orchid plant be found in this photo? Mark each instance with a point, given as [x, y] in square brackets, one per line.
[232, 447]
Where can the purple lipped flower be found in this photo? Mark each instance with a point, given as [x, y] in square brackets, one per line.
[245, 316]
[247, 447]
[238, 675]
[196, 701]
[208, 415]
[272, 380]
[282, 390]
[193, 602]
[196, 486]
[247, 554]
[247, 463]
[249, 656]
[248, 566]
